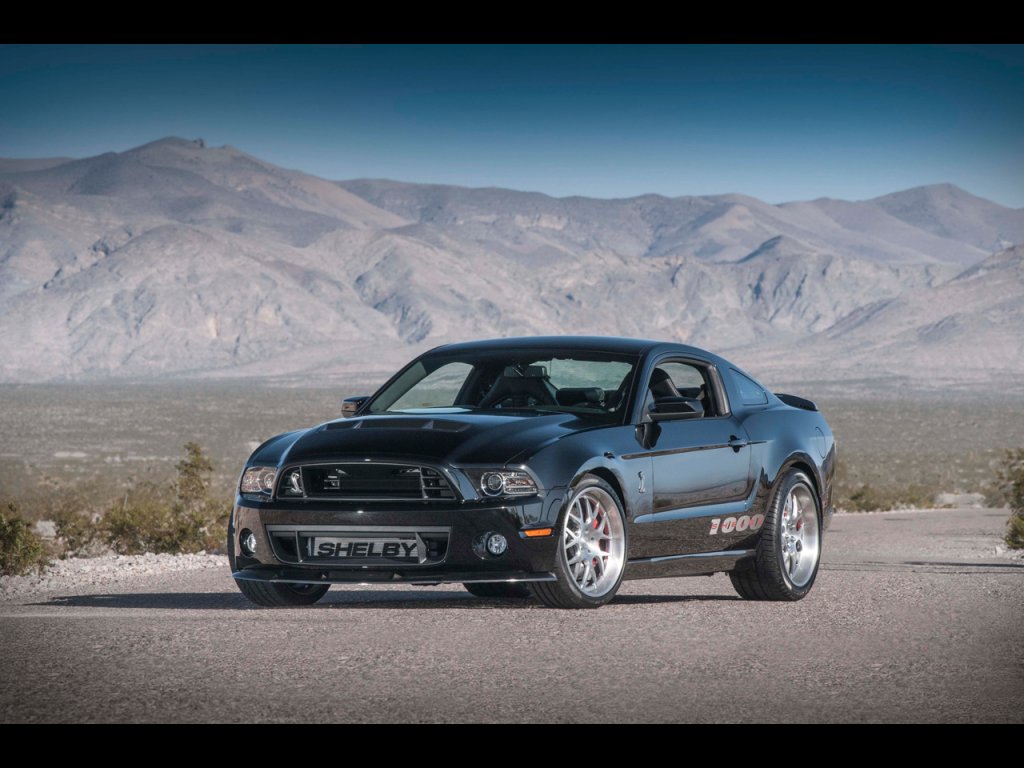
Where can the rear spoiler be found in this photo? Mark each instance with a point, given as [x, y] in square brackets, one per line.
[797, 402]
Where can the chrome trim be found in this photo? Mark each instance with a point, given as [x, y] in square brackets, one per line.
[730, 553]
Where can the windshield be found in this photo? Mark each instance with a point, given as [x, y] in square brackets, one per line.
[589, 384]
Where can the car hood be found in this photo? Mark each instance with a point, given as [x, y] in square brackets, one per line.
[448, 438]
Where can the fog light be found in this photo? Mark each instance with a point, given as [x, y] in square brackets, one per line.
[248, 539]
[496, 544]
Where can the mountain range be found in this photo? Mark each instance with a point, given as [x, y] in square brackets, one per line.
[178, 259]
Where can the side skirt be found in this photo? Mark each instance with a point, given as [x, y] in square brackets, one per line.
[696, 564]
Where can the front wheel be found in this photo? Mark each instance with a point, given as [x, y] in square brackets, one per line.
[270, 595]
[789, 550]
[591, 556]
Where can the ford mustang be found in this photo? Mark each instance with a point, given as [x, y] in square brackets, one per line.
[551, 466]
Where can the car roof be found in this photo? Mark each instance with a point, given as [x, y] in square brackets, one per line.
[612, 344]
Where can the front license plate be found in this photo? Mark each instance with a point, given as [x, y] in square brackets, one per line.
[359, 548]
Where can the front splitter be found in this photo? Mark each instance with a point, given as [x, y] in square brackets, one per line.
[311, 576]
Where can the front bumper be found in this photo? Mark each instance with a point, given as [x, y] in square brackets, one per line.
[448, 538]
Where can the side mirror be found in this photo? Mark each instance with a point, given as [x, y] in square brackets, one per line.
[675, 408]
[350, 405]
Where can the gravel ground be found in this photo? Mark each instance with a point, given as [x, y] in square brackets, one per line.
[916, 616]
[82, 573]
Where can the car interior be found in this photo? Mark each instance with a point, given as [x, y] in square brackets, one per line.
[663, 386]
[530, 386]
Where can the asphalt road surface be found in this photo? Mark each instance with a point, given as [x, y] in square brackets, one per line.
[915, 617]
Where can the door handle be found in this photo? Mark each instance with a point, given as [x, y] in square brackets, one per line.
[736, 443]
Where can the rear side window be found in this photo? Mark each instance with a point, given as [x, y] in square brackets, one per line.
[750, 392]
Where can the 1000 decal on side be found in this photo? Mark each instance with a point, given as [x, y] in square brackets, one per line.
[738, 524]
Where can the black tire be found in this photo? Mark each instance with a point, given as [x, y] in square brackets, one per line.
[769, 579]
[498, 590]
[565, 592]
[270, 595]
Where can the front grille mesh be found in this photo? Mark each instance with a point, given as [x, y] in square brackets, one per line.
[369, 480]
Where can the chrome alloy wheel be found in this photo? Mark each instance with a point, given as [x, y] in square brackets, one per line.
[594, 541]
[800, 539]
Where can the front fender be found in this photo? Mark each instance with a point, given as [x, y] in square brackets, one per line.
[600, 452]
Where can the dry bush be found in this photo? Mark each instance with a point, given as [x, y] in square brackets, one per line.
[21, 548]
[1010, 489]
[869, 498]
[179, 517]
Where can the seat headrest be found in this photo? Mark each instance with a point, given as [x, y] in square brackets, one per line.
[662, 384]
[577, 395]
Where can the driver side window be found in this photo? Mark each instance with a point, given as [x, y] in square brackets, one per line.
[677, 378]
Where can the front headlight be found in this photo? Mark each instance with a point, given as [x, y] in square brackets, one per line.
[502, 482]
[258, 480]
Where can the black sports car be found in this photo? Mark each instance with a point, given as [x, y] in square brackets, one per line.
[547, 466]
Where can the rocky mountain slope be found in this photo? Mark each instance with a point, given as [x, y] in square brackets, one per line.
[968, 331]
[179, 259]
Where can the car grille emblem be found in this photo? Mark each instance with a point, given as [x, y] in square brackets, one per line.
[332, 481]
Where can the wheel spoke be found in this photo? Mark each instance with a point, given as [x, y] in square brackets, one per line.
[593, 541]
[799, 537]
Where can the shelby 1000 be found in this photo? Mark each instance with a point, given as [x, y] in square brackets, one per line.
[547, 467]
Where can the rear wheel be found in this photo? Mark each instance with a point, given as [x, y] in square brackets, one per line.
[591, 557]
[789, 550]
[498, 590]
[271, 595]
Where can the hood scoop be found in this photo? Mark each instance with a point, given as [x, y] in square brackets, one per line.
[434, 425]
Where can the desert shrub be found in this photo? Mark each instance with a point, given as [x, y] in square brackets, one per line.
[194, 500]
[1015, 531]
[1010, 486]
[181, 517]
[144, 521]
[76, 531]
[21, 548]
[869, 498]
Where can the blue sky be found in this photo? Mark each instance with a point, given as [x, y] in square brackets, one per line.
[777, 122]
